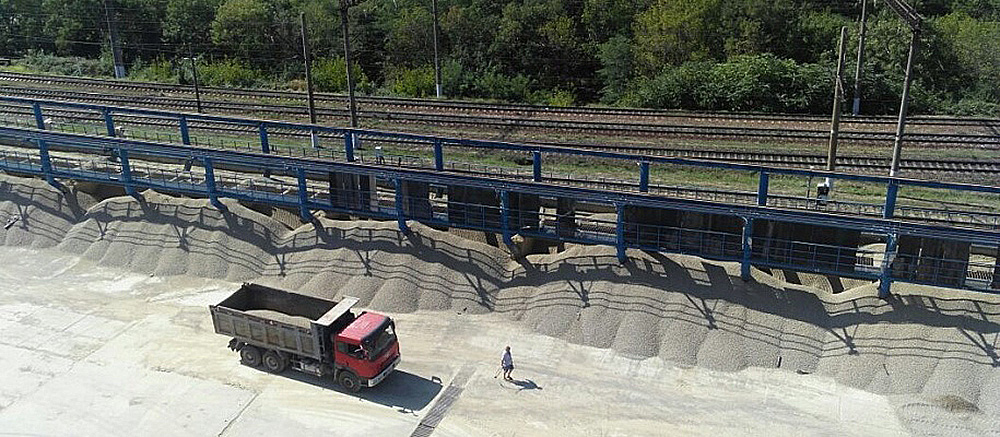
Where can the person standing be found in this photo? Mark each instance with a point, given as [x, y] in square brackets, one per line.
[507, 364]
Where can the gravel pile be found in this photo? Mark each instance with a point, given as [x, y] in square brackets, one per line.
[926, 341]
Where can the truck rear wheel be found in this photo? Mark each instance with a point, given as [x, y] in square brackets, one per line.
[250, 356]
[349, 381]
[274, 363]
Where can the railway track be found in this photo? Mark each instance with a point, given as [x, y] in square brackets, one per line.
[990, 142]
[861, 164]
[986, 126]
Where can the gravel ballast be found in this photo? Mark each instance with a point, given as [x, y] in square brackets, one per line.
[925, 341]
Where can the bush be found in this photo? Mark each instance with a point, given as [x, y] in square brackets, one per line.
[762, 83]
[228, 73]
[160, 70]
[330, 75]
[411, 82]
[68, 65]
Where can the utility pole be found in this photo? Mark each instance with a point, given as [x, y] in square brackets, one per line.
[116, 50]
[437, 60]
[194, 73]
[861, 58]
[344, 4]
[307, 59]
[904, 105]
[838, 91]
[910, 16]
[309, 80]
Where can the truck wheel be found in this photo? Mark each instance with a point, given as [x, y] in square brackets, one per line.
[250, 356]
[349, 381]
[273, 362]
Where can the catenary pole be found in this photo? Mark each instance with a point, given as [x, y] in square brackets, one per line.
[347, 62]
[437, 59]
[116, 49]
[897, 148]
[838, 91]
[856, 110]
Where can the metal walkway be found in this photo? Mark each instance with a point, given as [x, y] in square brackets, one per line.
[888, 248]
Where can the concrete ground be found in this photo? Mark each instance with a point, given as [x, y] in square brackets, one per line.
[87, 350]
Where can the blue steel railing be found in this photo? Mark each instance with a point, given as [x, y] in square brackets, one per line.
[224, 174]
[264, 131]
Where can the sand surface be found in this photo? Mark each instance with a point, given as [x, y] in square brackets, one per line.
[929, 353]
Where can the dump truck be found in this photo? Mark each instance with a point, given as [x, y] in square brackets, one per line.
[277, 330]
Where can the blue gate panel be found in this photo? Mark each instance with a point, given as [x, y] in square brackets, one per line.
[350, 191]
[524, 212]
[417, 200]
[710, 235]
[824, 248]
[565, 217]
[932, 260]
[995, 285]
[476, 207]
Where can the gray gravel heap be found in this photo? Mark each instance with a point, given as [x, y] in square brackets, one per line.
[933, 342]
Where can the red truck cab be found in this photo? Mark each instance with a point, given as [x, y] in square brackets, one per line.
[368, 347]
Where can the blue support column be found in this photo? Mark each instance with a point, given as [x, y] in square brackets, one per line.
[349, 145]
[536, 163]
[620, 232]
[303, 197]
[885, 278]
[126, 172]
[210, 184]
[39, 119]
[264, 146]
[43, 153]
[185, 133]
[644, 176]
[762, 189]
[747, 248]
[400, 213]
[890, 199]
[505, 218]
[109, 122]
[438, 156]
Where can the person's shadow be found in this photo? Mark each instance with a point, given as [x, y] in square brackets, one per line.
[525, 384]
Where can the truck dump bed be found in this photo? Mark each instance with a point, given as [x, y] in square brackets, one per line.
[281, 320]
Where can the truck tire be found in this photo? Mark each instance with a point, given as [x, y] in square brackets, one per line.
[274, 363]
[349, 381]
[250, 356]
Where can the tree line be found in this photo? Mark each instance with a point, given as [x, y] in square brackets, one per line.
[750, 55]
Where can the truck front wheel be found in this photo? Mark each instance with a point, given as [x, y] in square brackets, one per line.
[273, 362]
[349, 381]
[250, 356]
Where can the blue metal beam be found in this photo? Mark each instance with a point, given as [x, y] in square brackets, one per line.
[126, 172]
[277, 163]
[438, 156]
[109, 122]
[265, 147]
[213, 196]
[516, 147]
[185, 133]
[303, 196]
[536, 166]
[885, 280]
[747, 248]
[400, 211]
[620, 233]
[762, 188]
[505, 218]
[39, 118]
[643, 176]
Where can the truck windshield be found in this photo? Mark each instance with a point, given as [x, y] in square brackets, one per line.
[380, 341]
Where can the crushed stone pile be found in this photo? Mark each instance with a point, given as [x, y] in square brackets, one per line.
[924, 344]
